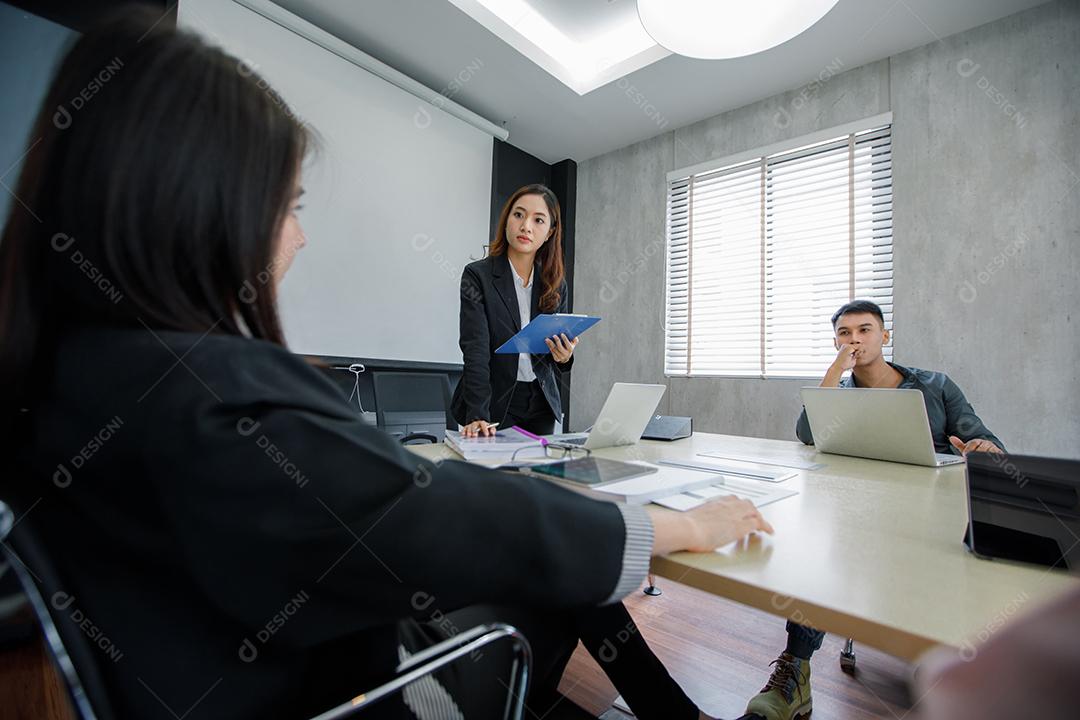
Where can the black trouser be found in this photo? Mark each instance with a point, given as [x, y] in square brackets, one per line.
[479, 683]
[529, 409]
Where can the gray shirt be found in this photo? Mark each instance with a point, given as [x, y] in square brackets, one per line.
[947, 409]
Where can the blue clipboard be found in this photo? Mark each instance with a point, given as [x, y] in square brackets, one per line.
[530, 339]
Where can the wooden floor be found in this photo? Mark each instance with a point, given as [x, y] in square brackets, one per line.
[719, 651]
[30, 688]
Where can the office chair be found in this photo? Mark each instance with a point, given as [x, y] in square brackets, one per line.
[73, 656]
[18, 626]
[414, 404]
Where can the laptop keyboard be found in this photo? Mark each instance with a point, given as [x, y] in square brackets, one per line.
[573, 441]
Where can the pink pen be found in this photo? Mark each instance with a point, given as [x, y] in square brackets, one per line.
[526, 433]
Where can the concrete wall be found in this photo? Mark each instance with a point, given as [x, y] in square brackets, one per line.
[986, 166]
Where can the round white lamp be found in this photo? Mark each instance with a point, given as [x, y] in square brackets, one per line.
[719, 29]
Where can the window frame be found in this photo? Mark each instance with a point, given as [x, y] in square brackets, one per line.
[727, 163]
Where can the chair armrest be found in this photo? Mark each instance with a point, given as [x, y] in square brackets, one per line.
[441, 654]
[81, 684]
[418, 436]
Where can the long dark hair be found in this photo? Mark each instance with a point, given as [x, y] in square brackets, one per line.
[550, 254]
[159, 173]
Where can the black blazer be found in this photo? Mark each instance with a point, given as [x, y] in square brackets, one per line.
[229, 525]
[489, 317]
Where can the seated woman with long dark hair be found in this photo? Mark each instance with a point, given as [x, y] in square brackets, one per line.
[247, 545]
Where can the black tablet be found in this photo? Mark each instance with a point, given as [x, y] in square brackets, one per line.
[591, 471]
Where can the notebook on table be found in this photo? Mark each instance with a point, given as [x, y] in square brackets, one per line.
[753, 471]
[504, 443]
[757, 492]
[634, 483]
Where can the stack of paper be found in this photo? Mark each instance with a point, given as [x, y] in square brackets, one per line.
[681, 488]
[759, 493]
[503, 444]
[664, 482]
[739, 468]
[657, 482]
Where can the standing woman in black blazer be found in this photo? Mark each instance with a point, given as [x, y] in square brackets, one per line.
[521, 277]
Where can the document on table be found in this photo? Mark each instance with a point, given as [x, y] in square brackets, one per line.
[765, 473]
[785, 461]
[759, 493]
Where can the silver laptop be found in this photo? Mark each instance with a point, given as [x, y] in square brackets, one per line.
[876, 423]
[626, 412]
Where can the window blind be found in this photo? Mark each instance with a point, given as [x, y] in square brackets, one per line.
[760, 254]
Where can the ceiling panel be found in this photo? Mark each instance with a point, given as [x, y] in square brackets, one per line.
[447, 50]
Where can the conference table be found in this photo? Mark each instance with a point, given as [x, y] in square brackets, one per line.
[868, 550]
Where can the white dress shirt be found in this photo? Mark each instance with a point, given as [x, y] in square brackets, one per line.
[524, 297]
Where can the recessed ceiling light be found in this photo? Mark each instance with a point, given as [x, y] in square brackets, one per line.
[613, 50]
[719, 29]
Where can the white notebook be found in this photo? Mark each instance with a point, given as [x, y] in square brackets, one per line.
[759, 493]
[646, 488]
[739, 468]
[502, 443]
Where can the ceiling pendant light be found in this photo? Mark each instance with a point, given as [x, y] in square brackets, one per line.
[718, 29]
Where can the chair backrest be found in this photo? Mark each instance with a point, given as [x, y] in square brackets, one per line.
[70, 648]
[78, 666]
[412, 401]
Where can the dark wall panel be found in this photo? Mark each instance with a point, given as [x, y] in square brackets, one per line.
[512, 168]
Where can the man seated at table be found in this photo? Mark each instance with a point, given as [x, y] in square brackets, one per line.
[860, 335]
